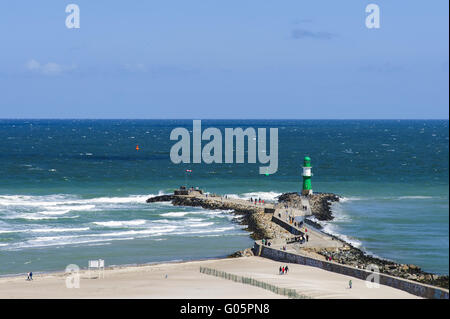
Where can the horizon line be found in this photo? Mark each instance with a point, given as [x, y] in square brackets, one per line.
[229, 119]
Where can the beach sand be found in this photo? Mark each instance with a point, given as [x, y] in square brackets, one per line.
[184, 280]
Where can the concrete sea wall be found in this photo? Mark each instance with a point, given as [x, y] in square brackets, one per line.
[415, 288]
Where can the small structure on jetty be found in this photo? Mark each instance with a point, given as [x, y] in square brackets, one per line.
[307, 188]
[183, 190]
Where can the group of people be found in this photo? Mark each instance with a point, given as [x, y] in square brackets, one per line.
[284, 270]
[287, 206]
[29, 276]
[301, 239]
[265, 242]
[257, 201]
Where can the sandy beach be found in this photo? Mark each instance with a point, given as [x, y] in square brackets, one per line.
[184, 280]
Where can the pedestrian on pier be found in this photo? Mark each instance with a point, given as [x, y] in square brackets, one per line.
[286, 269]
[350, 284]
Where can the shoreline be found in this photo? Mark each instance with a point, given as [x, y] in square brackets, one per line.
[256, 223]
[112, 267]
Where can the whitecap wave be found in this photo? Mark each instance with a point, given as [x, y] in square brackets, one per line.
[415, 197]
[66, 199]
[332, 230]
[8, 231]
[174, 214]
[194, 225]
[51, 206]
[123, 223]
[350, 199]
[263, 195]
[58, 230]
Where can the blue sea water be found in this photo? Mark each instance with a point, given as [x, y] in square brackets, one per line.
[74, 190]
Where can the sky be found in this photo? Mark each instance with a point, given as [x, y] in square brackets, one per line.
[234, 59]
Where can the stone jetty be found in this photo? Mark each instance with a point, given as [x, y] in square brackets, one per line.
[253, 215]
[320, 203]
[265, 221]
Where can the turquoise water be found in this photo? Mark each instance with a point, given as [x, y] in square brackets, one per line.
[74, 190]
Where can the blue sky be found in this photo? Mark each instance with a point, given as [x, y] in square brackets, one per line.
[224, 59]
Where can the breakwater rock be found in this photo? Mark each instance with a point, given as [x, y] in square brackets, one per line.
[321, 209]
[161, 198]
[320, 203]
[359, 259]
[248, 252]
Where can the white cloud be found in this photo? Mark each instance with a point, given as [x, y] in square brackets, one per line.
[33, 65]
[49, 68]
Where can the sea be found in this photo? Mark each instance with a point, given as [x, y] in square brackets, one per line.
[75, 190]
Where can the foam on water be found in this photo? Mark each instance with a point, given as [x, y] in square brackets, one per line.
[113, 223]
[51, 210]
[57, 230]
[330, 228]
[175, 214]
[272, 195]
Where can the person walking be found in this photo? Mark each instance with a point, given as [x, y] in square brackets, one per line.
[280, 271]
[350, 284]
[286, 269]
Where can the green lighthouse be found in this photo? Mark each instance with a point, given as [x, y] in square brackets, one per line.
[307, 189]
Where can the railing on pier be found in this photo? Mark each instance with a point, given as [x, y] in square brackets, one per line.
[290, 293]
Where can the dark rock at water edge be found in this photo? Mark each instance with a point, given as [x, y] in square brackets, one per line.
[248, 252]
[161, 198]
